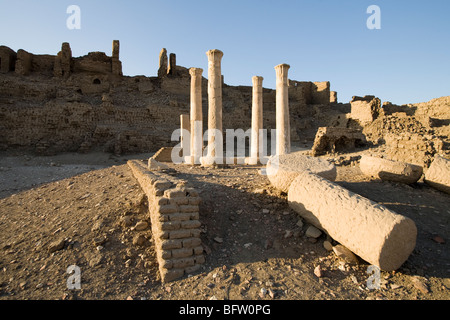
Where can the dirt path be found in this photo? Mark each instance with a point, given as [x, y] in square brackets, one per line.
[255, 245]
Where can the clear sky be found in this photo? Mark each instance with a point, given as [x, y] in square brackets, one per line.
[406, 61]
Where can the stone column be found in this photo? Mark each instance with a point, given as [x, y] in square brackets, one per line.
[196, 115]
[215, 132]
[257, 120]
[373, 232]
[282, 110]
[185, 136]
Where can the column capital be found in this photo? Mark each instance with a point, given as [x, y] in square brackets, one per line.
[282, 69]
[195, 71]
[257, 81]
[214, 55]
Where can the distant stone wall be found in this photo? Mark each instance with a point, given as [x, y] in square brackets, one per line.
[174, 215]
[51, 104]
[415, 148]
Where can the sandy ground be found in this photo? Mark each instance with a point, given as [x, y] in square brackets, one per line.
[67, 210]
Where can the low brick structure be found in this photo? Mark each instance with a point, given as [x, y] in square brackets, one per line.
[174, 215]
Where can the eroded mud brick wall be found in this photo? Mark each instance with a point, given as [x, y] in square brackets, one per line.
[174, 215]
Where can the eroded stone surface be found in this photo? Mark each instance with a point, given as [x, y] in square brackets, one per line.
[390, 170]
[282, 170]
[438, 175]
[371, 231]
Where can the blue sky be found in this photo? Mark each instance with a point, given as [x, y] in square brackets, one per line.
[406, 61]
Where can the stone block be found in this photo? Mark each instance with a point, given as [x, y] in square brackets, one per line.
[282, 170]
[390, 170]
[370, 230]
[438, 174]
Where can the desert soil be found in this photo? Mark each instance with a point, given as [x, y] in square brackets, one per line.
[80, 210]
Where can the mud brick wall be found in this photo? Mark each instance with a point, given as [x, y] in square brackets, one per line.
[174, 215]
[415, 148]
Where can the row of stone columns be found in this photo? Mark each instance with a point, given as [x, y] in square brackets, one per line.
[215, 130]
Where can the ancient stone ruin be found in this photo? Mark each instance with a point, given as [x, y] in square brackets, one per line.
[60, 103]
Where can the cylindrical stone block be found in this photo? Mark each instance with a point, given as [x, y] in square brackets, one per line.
[370, 230]
[215, 142]
[438, 174]
[282, 170]
[196, 115]
[389, 170]
[257, 119]
[282, 110]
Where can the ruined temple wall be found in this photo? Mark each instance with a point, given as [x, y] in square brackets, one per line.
[7, 59]
[415, 148]
[320, 92]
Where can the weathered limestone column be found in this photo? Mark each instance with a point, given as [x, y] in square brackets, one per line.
[196, 115]
[257, 120]
[282, 110]
[185, 136]
[370, 230]
[215, 132]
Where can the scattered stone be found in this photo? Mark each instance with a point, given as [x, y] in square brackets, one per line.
[127, 221]
[141, 226]
[98, 225]
[318, 272]
[39, 285]
[262, 292]
[218, 239]
[300, 223]
[313, 232]
[56, 245]
[139, 240]
[288, 234]
[95, 260]
[100, 241]
[271, 293]
[265, 211]
[268, 244]
[439, 239]
[420, 285]
[395, 286]
[327, 245]
[345, 254]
